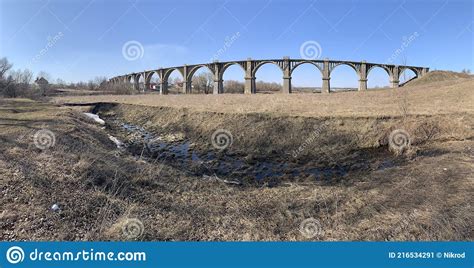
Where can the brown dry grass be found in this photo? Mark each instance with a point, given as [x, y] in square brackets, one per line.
[426, 196]
[443, 97]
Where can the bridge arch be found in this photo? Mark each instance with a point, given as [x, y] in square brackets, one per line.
[206, 84]
[139, 81]
[261, 63]
[416, 71]
[350, 64]
[152, 77]
[407, 73]
[385, 68]
[167, 73]
[306, 76]
[195, 68]
[268, 86]
[342, 77]
[234, 85]
[375, 74]
[176, 86]
[226, 65]
[307, 62]
[286, 65]
[137, 77]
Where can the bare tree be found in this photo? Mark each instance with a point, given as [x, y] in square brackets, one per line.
[268, 87]
[22, 81]
[22, 77]
[177, 80]
[45, 75]
[60, 82]
[203, 82]
[233, 86]
[72, 85]
[174, 84]
[27, 77]
[44, 88]
[5, 66]
[8, 87]
[15, 75]
[100, 79]
[91, 85]
[118, 88]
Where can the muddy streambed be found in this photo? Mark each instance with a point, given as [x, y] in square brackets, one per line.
[203, 160]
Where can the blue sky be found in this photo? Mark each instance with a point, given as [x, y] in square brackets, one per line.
[80, 39]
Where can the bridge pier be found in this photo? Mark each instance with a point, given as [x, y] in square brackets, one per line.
[326, 88]
[362, 84]
[136, 84]
[186, 81]
[250, 86]
[326, 85]
[164, 88]
[286, 75]
[218, 87]
[363, 76]
[218, 82]
[395, 77]
[286, 85]
[187, 87]
[394, 83]
[142, 75]
[250, 67]
[146, 82]
[424, 71]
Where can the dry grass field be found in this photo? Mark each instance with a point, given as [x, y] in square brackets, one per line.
[357, 188]
[437, 93]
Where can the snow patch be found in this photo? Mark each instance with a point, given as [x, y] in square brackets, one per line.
[95, 117]
[118, 143]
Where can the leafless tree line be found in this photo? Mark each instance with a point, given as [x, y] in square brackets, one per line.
[19, 83]
[13, 83]
[203, 83]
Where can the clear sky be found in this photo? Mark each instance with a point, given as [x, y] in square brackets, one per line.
[80, 39]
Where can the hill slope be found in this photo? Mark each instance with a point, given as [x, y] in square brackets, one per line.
[436, 93]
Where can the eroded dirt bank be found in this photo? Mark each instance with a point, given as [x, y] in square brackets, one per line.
[262, 149]
[423, 194]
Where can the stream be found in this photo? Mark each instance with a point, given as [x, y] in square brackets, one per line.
[180, 153]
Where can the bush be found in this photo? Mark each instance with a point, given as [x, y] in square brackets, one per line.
[120, 88]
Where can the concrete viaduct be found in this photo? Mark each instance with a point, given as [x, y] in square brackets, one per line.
[251, 66]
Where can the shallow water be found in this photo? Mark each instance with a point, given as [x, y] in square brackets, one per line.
[180, 154]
